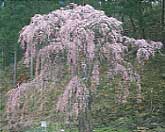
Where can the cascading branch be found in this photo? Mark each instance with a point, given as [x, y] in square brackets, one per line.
[75, 97]
[82, 37]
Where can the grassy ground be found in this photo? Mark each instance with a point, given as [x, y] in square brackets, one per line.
[106, 129]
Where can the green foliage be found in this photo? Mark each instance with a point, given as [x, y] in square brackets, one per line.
[149, 113]
[13, 17]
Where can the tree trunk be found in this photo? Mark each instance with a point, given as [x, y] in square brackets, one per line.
[162, 22]
[141, 21]
[163, 12]
[84, 122]
[2, 61]
[133, 24]
[15, 68]
[84, 116]
[31, 67]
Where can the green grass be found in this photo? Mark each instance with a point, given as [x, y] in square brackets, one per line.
[56, 129]
[108, 129]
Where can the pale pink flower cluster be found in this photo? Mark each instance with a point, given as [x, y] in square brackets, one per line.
[14, 95]
[75, 29]
[83, 34]
[75, 97]
[145, 48]
[95, 77]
